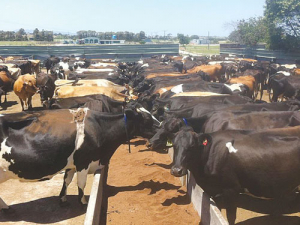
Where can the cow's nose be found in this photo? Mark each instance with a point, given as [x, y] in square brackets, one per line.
[177, 171]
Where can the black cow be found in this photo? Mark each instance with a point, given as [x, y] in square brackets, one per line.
[227, 163]
[285, 86]
[50, 62]
[224, 120]
[101, 103]
[36, 146]
[203, 108]
[160, 106]
[203, 86]
[45, 85]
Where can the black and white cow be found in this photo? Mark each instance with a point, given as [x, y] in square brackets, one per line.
[36, 146]
[227, 163]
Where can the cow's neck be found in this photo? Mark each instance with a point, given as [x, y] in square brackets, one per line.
[115, 130]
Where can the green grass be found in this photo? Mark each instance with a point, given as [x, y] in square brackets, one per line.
[202, 49]
[23, 43]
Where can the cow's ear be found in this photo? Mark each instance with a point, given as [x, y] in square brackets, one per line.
[130, 114]
[204, 139]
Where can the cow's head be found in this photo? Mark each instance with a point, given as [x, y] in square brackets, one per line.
[167, 131]
[30, 86]
[145, 123]
[188, 146]
[146, 100]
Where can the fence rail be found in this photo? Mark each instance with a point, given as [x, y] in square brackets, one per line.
[260, 53]
[96, 51]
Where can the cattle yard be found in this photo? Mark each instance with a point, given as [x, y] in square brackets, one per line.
[233, 124]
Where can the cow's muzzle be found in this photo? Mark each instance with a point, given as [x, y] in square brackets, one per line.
[178, 171]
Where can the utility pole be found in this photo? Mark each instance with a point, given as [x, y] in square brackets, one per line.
[164, 34]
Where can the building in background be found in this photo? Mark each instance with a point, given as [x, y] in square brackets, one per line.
[199, 41]
[95, 40]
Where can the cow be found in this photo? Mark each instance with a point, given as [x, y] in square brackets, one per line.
[159, 106]
[73, 91]
[226, 163]
[216, 72]
[285, 86]
[248, 81]
[80, 141]
[203, 86]
[91, 83]
[25, 88]
[35, 66]
[50, 62]
[107, 104]
[203, 108]
[6, 83]
[224, 120]
[45, 85]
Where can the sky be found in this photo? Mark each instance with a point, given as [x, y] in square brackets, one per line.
[154, 17]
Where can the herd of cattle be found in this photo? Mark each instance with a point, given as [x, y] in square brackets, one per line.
[207, 108]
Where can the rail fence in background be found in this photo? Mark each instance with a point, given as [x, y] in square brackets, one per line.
[118, 52]
[259, 52]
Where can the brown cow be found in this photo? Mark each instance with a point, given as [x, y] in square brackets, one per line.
[214, 71]
[6, 83]
[25, 88]
[296, 72]
[153, 75]
[74, 91]
[249, 81]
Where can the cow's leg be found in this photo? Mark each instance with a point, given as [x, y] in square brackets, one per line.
[69, 174]
[29, 103]
[81, 182]
[230, 200]
[5, 99]
[22, 104]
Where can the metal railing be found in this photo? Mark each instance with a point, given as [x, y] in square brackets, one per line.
[260, 53]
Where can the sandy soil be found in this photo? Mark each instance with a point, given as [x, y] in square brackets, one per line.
[142, 191]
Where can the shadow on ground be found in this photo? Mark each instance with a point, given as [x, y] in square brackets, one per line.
[44, 211]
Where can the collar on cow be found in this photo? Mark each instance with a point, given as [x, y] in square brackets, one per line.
[185, 121]
[127, 136]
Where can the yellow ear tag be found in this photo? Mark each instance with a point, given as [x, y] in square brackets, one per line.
[169, 143]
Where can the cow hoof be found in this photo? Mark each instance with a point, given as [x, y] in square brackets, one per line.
[63, 204]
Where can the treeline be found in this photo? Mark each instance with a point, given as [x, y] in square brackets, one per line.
[13, 36]
[127, 36]
[279, 27]
[21, 35]
[44, 35]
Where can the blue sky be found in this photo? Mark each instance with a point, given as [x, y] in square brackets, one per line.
[152, 16]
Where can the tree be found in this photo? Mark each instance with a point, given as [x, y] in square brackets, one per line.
[285, 14]
[184, 40]
[36, 35]
[142, 35]
[194, 37]
[251, 31]
[20, 34]
[283, 22]
[234, 36]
